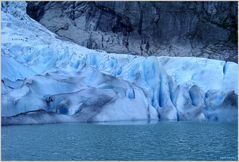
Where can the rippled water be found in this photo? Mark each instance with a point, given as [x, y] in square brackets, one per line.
[121, 141]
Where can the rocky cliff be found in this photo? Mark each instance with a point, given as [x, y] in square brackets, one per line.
[201, 29]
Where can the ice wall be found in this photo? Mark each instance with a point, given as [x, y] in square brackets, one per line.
[42, 72]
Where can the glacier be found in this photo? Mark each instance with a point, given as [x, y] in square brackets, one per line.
[46, 79]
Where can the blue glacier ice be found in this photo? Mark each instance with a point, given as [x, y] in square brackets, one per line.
[46, 79]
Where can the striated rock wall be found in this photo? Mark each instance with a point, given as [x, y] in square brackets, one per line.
[201, 29]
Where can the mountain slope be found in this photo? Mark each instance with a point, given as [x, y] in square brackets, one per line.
[201, 29]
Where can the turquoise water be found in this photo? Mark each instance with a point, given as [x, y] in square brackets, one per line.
[121, 141]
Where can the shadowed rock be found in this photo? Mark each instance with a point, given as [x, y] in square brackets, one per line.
[201, 29]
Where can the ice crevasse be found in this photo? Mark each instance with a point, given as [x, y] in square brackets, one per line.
[46, 79]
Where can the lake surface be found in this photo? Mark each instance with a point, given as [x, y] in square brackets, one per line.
[121, 141]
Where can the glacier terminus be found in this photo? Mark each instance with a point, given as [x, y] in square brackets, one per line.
[47, 80]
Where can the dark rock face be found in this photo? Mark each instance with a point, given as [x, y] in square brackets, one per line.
[201, 29]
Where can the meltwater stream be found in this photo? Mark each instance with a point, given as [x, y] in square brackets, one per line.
[121, 141]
